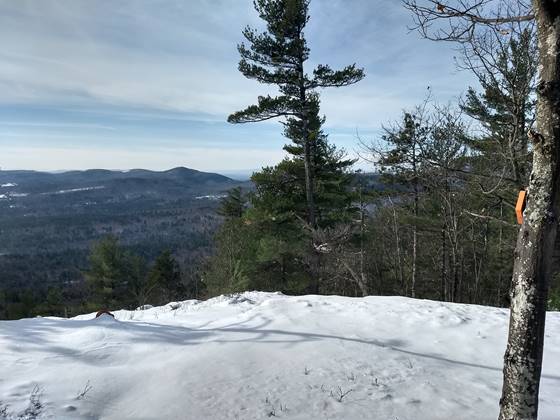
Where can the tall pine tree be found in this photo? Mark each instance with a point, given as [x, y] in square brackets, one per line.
[278, 56]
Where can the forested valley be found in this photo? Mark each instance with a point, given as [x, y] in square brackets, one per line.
[53, 225]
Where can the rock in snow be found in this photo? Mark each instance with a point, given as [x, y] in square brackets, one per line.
[262, 355]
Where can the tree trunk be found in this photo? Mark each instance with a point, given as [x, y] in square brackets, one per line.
[359, 280]
[363, 277]
[414, 242]
[399, 265]
[309, 176]
[535, 242]
[500, 237]
[309, 193]
[414, 255]
[415, 225]
[443, 273]
[307, 158]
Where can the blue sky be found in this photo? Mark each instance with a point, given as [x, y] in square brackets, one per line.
[124, 84]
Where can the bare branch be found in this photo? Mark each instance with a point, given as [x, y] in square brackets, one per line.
[487, 217]
[458, 20]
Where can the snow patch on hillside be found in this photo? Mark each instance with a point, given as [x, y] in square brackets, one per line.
[9, 195]
[260, 355]
[99, 187]
[211, 197]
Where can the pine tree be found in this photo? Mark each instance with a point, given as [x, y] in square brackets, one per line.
[286, 254]
[277, 56]
[281, 190]
[165, 273]
[234, 204]
[505, 109]
[138, 286]
[54, 300]
[108, 273]
[265, 247]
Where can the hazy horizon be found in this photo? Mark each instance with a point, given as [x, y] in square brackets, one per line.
[240, 174]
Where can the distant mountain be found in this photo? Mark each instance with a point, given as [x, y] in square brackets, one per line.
[48, 221]
[77, 190]
[33, 182]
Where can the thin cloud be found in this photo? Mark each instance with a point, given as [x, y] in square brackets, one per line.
[145, 63]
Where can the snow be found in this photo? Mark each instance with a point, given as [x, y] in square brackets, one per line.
[12, 195]
[210, 197]
[259, 355]
[99, 187]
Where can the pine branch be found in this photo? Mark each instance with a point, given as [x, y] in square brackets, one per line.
[324, 76]
[267, 108]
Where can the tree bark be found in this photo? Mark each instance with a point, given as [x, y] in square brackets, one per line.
[307, 158]
[358, 279]
[414, 230]
[363, 278]
[416, 212]
[443, 272]
[533, 256]
[399, 265]
[499, 298]
[309, 193]
[309, 174]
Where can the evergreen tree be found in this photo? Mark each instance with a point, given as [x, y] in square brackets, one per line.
[265, 247]
[233, 204]
[281, 190]
[118, 277]
[3, 304]
[227, 271]
[54, 301]
[165, 273]
[109, 272]
[505, 109]
[138, 286]
[277, 56]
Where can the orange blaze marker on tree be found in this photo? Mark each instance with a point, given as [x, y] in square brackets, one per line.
[520, 206]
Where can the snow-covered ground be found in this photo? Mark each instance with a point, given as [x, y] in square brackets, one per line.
[262, 355]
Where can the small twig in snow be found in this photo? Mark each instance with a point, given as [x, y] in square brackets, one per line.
[82, 394]
[340, 394]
